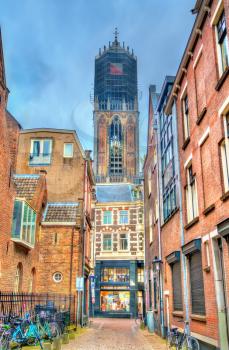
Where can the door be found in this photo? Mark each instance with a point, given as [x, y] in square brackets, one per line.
[219, 275]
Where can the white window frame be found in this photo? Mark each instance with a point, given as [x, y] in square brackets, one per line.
[186, 119]
[41, 145]
[191, 197]
[54, 279]
[107, 250]
[111, 218]
[215, 19]
[119, 217]
[225, 155]
[128, 242]
[64, 154]
[150, 225]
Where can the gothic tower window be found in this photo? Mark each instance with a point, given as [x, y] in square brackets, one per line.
[115, 143]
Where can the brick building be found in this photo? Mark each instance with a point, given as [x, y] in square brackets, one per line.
[195, 266]
[65, 230]
[119, 250]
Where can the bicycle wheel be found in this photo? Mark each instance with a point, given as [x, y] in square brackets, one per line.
[190, 343]
[4, 343]
[171, 342]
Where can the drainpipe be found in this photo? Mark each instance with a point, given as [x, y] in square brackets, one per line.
[156, 128]
[184, 261]
[83, 237]
[71, 259]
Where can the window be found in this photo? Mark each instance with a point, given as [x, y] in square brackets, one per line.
[68, 150]
[115, 140]
[140, 216]
[32, 282]
[57, 277]
[169, 200]
[18, 278]
[140, 275]
[40, 153]
[107, 242]
[185, 117]
[123, 217]
[150, 226]
[225, 154]
[197, 284]
[149, 181]
[107, 217]
[141, 241]
[24, 223]
[115, 275]
[123, 241]
[177, 288]
[191, 195]
[222, 42]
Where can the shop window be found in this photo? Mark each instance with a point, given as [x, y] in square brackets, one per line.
[24, 223]
[123, 241]
[185, 111]
[191, 194]
[197, 284]
[68, 150]
[107, 217]
[111, 301]
[225, 154]
[123, 217]
[140, 273]
[222, 43]
[115, 275]
[57, 277]
[40, 152]
[177, 288]
[107, 242]
[140, 302]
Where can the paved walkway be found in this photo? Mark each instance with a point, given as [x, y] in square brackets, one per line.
[115, 334]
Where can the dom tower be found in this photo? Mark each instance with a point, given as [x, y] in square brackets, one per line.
[116, 144]
[119, 222]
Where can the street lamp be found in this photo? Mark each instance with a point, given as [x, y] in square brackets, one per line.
[157, 263]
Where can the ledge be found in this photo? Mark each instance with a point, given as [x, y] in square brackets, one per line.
[191, 223]
[201, 116]
[199, 318]
[209, 209]
[225, 196]
[222, 79]
[186, 142]
[178, 314]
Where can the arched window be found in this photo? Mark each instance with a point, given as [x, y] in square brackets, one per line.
[32, 282]
[18, 278]
[115, 142]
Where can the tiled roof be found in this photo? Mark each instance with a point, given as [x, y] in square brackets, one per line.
[61, 213]
[26, 185]
[114, 193]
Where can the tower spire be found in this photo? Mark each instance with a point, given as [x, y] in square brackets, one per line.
[2, 66]
[116, 33]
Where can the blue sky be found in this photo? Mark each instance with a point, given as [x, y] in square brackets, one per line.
[50, 45]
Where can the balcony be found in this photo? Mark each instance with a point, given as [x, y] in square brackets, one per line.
[39, 159]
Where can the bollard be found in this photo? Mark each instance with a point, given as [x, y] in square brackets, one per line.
[47, 346]
[57, 343]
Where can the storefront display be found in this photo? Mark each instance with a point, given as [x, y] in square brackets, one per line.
[111, 301]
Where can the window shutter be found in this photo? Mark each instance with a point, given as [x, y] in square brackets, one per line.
[197, 285]
[177, 289]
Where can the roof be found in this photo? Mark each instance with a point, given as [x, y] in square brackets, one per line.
[114, 193]
[61, 213]
[26, 185]
[9, 115]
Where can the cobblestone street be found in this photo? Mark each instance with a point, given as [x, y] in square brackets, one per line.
[115, 334]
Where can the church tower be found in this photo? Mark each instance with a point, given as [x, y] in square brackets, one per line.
[116, 116]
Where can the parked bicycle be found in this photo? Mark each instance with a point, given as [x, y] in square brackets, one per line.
[177, 340]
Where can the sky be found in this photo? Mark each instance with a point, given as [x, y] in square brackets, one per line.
[50, 46]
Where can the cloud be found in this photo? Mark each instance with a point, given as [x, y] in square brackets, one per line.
[50, 46]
